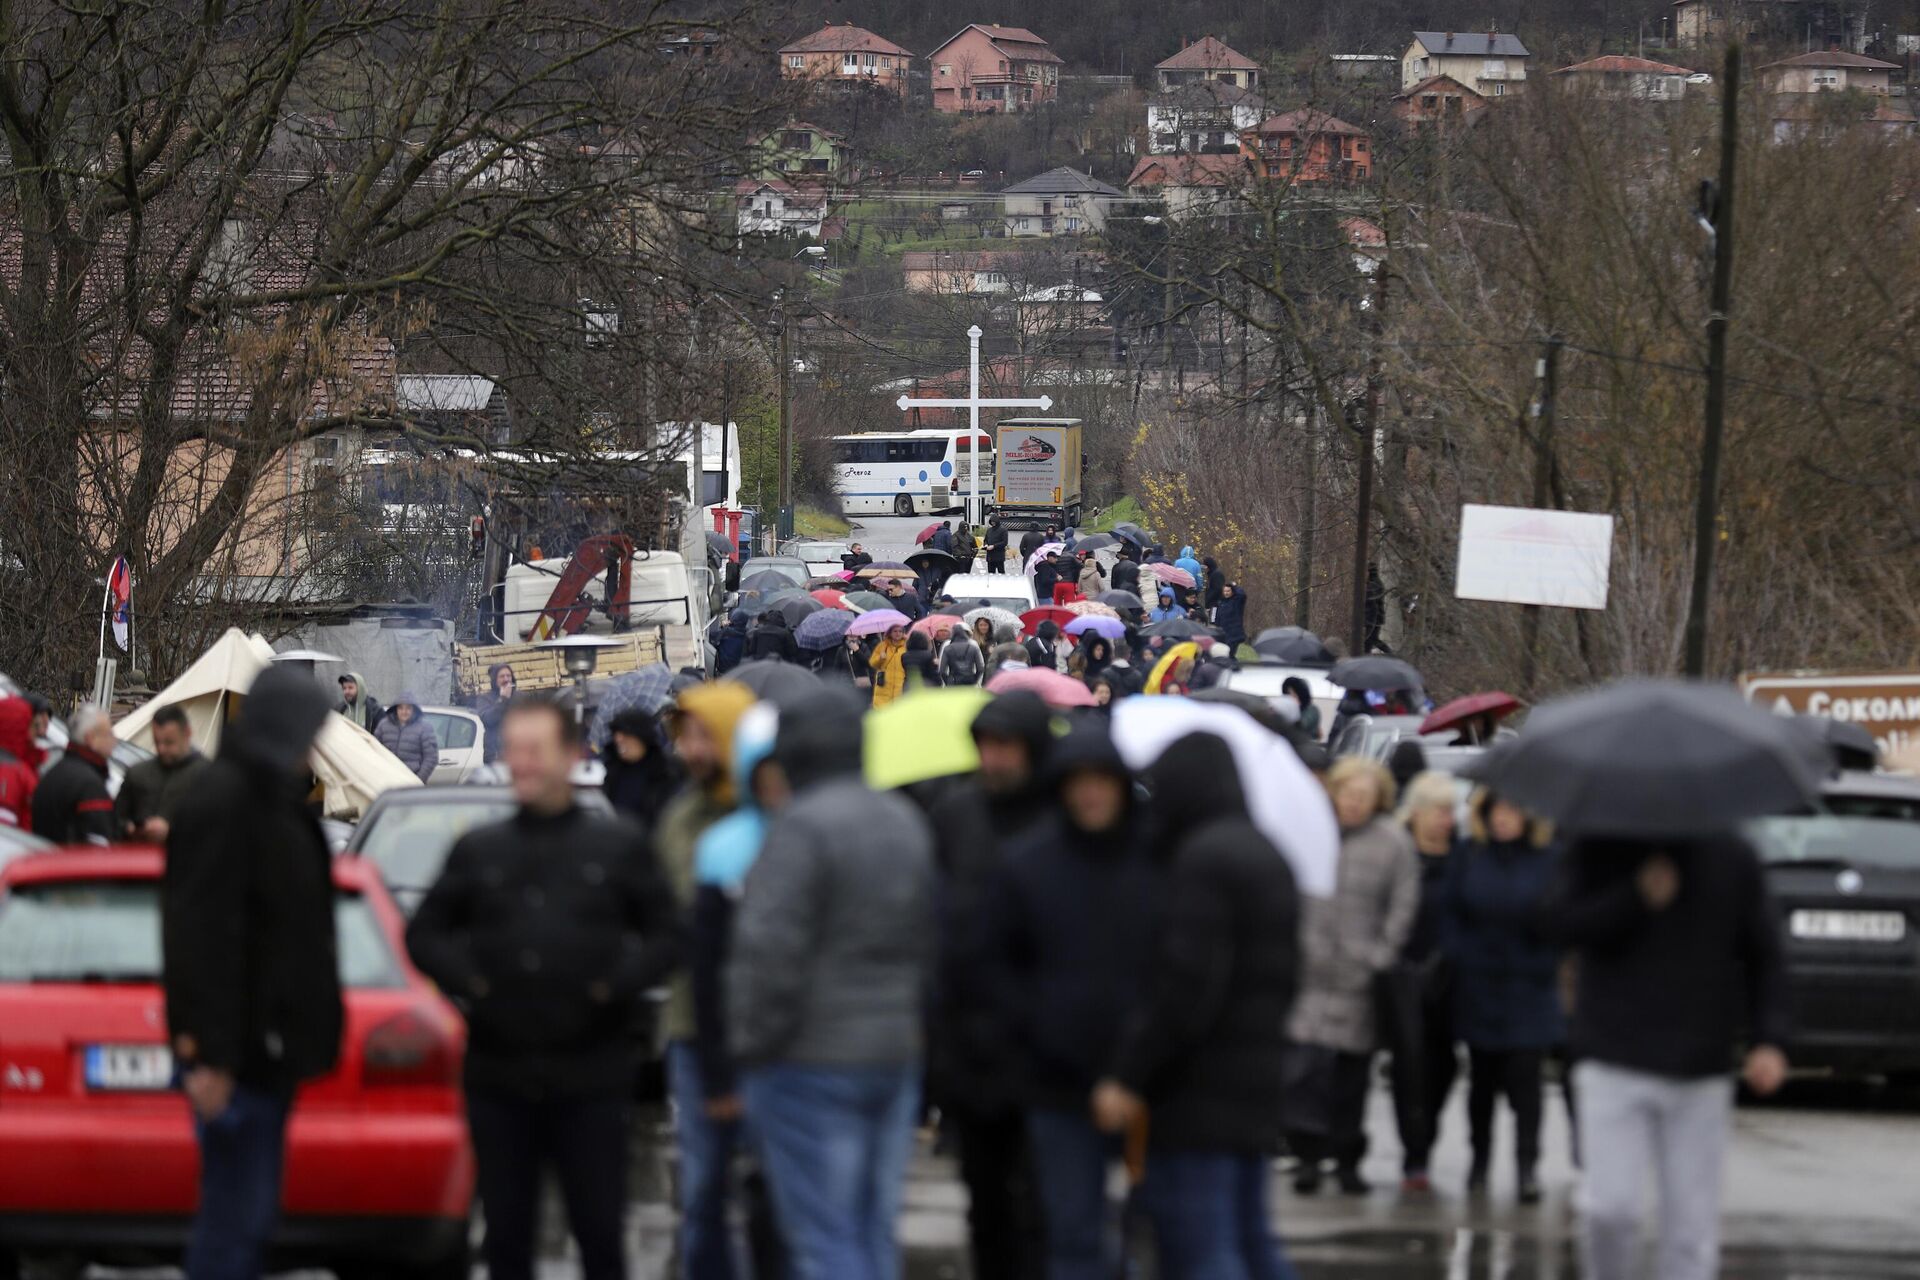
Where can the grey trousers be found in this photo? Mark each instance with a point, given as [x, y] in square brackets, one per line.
[1633, 1124]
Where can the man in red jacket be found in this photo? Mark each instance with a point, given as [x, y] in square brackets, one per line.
[20, 760]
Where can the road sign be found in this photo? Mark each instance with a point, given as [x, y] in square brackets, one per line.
[1884, 703]
[973, 404]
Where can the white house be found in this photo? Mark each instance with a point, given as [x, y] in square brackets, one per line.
[771, 207]
[1491, 63]
[1618, 76]
[1204, 118]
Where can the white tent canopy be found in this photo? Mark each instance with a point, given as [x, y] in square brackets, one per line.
[351, 766]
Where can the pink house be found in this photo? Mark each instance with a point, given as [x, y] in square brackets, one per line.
[986, 69]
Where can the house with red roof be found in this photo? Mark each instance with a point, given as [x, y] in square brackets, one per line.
[1619, 76]
[1192, 185]
[1439, 103]
[1308, 146]
[1831, 71]
[984, 69]
[1207, 60]
[843, 56]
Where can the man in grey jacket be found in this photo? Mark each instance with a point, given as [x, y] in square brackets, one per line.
[833, 944]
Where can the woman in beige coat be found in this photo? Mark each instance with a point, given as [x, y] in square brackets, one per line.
[1347, 941]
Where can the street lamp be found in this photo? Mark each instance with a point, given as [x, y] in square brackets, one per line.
[580, 655]
[305, 659]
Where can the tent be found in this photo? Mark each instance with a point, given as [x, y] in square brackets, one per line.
[351, 766]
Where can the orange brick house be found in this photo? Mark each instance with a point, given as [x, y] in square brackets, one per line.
[844, 56]
[987, 70]
[1308, 146]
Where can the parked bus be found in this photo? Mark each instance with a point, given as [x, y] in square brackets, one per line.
[909, 472]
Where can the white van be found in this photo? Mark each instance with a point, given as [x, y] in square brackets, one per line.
[664, 595]
[1010, 591]
[1264, 680]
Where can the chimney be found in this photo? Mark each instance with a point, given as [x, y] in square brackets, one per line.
[1449, 39]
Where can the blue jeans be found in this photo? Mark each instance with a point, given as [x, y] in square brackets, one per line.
[241, 1153]
[706, 1151]
[1209, 1211]
[836, 1142]
[1070, 1162]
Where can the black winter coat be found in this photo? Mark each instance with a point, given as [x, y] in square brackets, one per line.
[1506, 976]
[1230, 615]
[1044, 578]
[247, 923]
[1125, 576]
[1205, 1047]
[71, 804]
[1031, 541]
[548, 930]
[771, 638]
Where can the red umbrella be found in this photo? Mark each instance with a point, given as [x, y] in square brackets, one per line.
[1172, 573]
[926, 533]
[1471, 707]
[1059, 615]
[1055, 689]
[830, 598]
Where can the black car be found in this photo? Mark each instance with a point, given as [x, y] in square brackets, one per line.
[1846, 884]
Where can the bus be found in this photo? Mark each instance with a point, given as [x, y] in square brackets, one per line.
[908, 473]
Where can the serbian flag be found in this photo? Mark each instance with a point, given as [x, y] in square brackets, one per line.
[120, 600]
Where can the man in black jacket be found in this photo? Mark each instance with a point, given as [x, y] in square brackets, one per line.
[771, 638]
[1045, 575]
[548, 928]
[1077, 895]
[71, 804]
[1126, 571]
[1679, 959]
[970, 1073]
[252, 988]
[996, 545]
[1202, 1054]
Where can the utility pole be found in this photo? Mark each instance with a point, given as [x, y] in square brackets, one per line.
[1547, 372]
[1369, 431]
[1706, 508]
[1309, 512]
[784, 516]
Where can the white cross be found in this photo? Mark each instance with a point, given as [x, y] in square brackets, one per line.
[974, 404]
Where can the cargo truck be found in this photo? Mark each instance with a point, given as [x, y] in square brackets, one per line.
[1039, 473]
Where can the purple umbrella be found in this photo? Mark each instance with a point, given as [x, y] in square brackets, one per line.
[1098, 624]
[878, 622]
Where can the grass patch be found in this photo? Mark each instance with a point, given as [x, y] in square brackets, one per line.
[1125, 511]
[811, 522]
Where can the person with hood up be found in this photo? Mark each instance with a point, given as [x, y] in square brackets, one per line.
[1044, 647]
[730, 646]
[1097, 652]
[1068, 955]
[1230, 615]
[833, 945]
[502, 684]
[1167, 610]
[973, 1077]
[1046, 576]
[1126, 571]
[548, 929]
[151, 790]
[357, 704]
[1092, 581]
[942, 539]
[71, 804]
[772, 639]
[1407, 761]
[996, 544]
[1031, 541]
[1216, 584]
[20, 758]
[962, 662]
[1192, 565]
[406, 733]
[1202, 1060]
[641, 778]
[1296, 688]
[1506, 983]
[1347, 942]
[888, 662]
[921, 665]
[252, 986]
[704, 722]
[722, 858]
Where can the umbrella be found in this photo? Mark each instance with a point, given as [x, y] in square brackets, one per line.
[831, 582]
[1271, 715]
[1292, 644]
[999, 618]
[1655, 759]
[925, 734]
[931, 561]
[1474, 705]
[1285, 801]
[772, 680]
[1168, 665]
[878, 621]
[864, 601]
[1132, 533]
[1055, 689]
[721, 543]
[951, 611]
[1178, 629]
[1059, 615]
[796, 609]
[765, 580]
[1111, 628]
[935, 624]
[1374, 672]
[831, 598]
[1173, 573]
[1095, 542]
[883, 569]
[1092, 609]
[1040, 553]
[755, 603]
[1122, 600]
[649, 689]
[824, 630]
[1850, 745]
[926, 533]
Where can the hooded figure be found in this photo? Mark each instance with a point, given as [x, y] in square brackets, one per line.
[20, 760]
[502, 684]
[1193, 566]
[412, 742]
[1230, 615]
[962, 662]
[1098, 653]
[1046, 575]
[918, 661]
[730, 648]
[641, 788]
[251, 979]
[1168, 610]
[362, 709]
[1092, 582]
[1216, 582]
[772, 638]
[1043, 648]
[1204, 1050]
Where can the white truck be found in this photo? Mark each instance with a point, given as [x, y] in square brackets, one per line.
[1040, 465]
[666, 596]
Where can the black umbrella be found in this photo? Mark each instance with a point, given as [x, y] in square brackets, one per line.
[931, 561]
[1122, 600]
[1292, 644]
[1132, 533]
[1373, 672]
[771, 680]
[1655, 759]
[755, 603]
[954, 610]
[1263, 711]
[1178, 629]
[795, 609]
[1095, 542]
[1851, 746]
[765, 580]
[721, 544]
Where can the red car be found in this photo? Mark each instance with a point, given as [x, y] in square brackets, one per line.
[97, 1154]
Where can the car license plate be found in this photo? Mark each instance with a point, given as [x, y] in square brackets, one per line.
[1848, 926]
[129, 1067]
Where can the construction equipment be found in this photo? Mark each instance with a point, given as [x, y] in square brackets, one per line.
[568, 607]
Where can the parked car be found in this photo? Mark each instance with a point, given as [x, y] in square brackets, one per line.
[1010, 591]
[1374, 736]
[1264, 680]
[792, 568]
[98, 1162]
[1863, 794]
[1846, 885]
[408, 832]
[463, 743]
[821, 558]
[15, 843]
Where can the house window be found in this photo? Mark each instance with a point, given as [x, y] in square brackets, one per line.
[1429, 102]
[1168, 141]
[946, 68]
[1826, 79]
[1493, 69]
[1359, 146]
[870, 62]
[1073, 223]
[1033, 72]
[1053, 75]
[1499, 90]
[849, 62]
[796, 62]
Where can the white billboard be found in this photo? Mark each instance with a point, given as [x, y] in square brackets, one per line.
[1518, 555]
